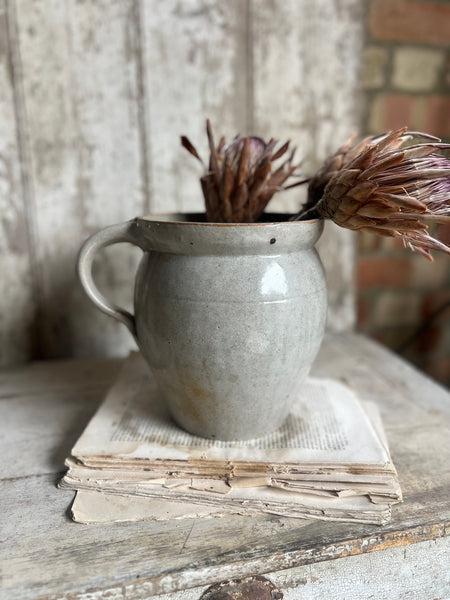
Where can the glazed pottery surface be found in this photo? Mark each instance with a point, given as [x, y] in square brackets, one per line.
[228, 316]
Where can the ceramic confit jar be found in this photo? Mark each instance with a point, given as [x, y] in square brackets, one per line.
[229, 317]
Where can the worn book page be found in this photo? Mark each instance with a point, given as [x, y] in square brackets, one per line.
[261, 499]
[329, 461]
[327, 426]
[139, 505]
[345, 485]
[97, 507]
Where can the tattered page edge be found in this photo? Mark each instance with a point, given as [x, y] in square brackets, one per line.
[92, 506]
[325, 486]
[248, 497]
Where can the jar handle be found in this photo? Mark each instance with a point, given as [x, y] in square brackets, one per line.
[114, 234]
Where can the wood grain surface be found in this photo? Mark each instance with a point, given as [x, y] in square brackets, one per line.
[80, 86]
[17, 306]
[94, 95]
[138, 560]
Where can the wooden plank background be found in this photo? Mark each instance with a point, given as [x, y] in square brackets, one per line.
[93, 97]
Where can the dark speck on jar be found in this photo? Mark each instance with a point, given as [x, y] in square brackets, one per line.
[273, 240]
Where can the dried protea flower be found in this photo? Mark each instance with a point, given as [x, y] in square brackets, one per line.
[241, 178]
[382, 187]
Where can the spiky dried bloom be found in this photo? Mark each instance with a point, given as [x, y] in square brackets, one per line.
[381, 187]
[241, 177]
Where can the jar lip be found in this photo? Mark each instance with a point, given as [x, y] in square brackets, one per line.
[199, 237]
[178, 218]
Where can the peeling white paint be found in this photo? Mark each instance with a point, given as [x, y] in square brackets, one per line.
[103, 91]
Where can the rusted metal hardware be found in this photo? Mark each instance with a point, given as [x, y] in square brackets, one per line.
[250, 588]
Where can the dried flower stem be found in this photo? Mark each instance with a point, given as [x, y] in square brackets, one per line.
[241, 178]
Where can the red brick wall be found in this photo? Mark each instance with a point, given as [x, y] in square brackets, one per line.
[403, 300]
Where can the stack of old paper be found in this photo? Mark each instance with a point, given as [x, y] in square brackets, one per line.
[330, 460]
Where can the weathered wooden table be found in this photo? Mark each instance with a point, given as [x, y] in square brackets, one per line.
[45, 406]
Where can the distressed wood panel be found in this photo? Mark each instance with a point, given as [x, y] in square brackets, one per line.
[94, 373]
[305, 88]
[138, 560]
[80, 82]
[102, 91]
[16, 290]
[67, 400]
[414, 572]
[305, 75]
[195, 67]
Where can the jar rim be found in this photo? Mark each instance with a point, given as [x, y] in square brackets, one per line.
[199, 218]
